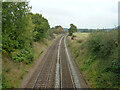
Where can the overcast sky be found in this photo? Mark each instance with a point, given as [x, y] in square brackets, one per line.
[82, 13]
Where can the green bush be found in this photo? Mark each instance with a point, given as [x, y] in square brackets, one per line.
[103, 46]
[98, 59]
[25, 56]
[50, 34]
[101, 43]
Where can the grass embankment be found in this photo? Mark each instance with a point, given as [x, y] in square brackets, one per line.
[14, 72]
[96, 55]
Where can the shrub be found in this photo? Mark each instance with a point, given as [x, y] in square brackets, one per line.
[25, 56]
[101, 43]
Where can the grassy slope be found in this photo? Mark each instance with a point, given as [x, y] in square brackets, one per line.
[15, 72]
[94, 71]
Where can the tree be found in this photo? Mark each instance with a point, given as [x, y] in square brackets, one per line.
[41, 26]
[15, 24]
[57, 29]
[72, 29]
[17, 28]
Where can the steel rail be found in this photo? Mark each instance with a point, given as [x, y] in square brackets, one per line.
[37, 78]
[57, 80]
[69, 71]
[74, 74]
[49, 74]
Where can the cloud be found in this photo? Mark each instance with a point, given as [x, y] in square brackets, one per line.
[83, 13]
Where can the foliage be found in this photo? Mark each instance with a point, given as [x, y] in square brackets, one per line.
[98, 59]
[73, 37]
[58, 30]
[56, 27]
[23, 56]
[72, 29]
[104, 45]
[41, 26]
[21, 29]
[4, 82]
[50, 34]
[16, 35]
[101, 43]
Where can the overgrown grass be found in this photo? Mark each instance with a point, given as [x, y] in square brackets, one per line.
[96, 55]
[13, 73]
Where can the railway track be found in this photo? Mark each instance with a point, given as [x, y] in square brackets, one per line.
[66, 78]
[56, 70]
[47, 70]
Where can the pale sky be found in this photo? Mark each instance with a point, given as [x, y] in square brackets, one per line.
[82, 13]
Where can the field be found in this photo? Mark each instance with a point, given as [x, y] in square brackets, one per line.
[82, 36]
[96, 55]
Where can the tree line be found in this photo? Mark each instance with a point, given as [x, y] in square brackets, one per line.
[20, 28]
